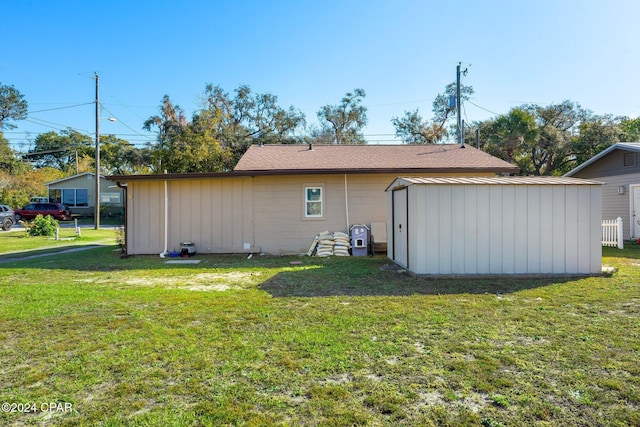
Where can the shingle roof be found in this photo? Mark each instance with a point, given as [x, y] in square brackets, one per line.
[370, 158]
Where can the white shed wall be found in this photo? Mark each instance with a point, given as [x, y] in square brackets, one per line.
[504, 229]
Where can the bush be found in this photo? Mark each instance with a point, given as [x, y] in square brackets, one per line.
[42, 226]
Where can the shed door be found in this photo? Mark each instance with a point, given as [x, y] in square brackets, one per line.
[635, 211]
[400, 235]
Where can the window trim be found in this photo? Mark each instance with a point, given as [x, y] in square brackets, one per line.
[54, 197]
[111, 196]
[305, 201]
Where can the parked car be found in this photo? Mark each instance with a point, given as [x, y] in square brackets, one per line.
[56, 210]
[7, 217]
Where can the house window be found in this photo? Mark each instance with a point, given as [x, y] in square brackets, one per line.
[629, 159]
[110, 198]
[72, 197]
[55, 196]
[313, 202]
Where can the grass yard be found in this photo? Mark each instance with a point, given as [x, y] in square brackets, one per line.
[331, 342]
[18, 241]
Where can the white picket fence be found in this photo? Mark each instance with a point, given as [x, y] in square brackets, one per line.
[612, 233]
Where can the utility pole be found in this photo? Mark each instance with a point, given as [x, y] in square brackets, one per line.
[459, 107]
[97, 204]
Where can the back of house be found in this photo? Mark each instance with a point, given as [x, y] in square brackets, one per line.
[279, 197]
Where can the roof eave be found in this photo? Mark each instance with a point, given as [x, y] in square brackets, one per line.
[281, 172]
[616, 146]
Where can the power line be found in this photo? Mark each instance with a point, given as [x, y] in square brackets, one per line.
[35, 120]
[123, 123]
[60, 108]
[482, 108]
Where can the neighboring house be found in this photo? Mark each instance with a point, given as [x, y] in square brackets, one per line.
[77, 192]
[619, 168]
[279, 197]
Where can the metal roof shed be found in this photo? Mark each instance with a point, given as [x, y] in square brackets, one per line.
[479, 226]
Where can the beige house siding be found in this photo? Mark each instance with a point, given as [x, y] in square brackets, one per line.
[264, 213]
[145, 212]
[214, 214]
[280, 224]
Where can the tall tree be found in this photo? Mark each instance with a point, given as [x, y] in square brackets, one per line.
[120, 157]
[185, 146]
[8, 160]
[16, 189]
[548, 140]
[413, 129]
[510, 134]
[595, 133]
[345, 120]
[630, 129]
[61, 150]
[553, 149]
[170, 123]
[12, 106]
[248, 118]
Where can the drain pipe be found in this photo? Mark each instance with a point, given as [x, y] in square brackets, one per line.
[125, 189]
[166, 219]
[346, 201]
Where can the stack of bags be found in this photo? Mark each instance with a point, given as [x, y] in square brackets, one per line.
[342, 244]
[326, 244]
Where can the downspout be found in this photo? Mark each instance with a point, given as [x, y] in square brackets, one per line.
[166, 219]
[126, 216]
[346, 201]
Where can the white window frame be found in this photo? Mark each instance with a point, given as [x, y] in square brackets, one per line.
[111, 198]
[306, 201]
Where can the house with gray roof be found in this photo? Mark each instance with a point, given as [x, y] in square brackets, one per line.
[618, 167]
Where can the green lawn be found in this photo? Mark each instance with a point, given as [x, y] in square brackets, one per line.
[18, 241]
[339, 341]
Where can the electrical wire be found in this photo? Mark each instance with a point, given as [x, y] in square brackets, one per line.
[123, 123]
[60, 108]
[482, 108]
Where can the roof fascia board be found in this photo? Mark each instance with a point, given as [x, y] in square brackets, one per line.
[72, 177]
[176, 176]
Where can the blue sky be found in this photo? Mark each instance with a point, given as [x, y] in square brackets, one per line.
[309, 54]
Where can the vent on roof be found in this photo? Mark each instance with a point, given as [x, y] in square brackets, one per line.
[629, 159]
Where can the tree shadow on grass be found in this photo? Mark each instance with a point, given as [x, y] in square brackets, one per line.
[294, 276]
[385, 280]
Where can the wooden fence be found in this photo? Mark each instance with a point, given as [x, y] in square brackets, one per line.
[612, 233]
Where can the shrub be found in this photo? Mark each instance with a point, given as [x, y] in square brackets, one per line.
[43, 226]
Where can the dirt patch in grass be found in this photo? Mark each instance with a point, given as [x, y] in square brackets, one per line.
[194, 282]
